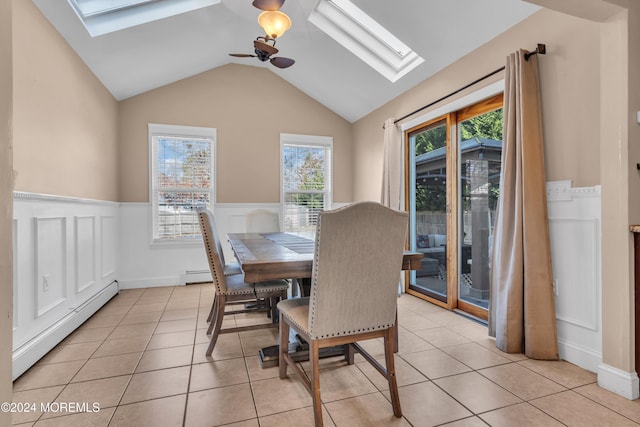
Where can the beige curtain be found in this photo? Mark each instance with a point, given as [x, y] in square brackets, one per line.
[392, 166]
[522, 307]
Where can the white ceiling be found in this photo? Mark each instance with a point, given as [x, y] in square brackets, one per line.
[138, 59]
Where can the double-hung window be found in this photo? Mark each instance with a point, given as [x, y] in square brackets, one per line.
[306, 188]
[182, 178]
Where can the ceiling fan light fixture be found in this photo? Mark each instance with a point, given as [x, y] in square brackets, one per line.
[274, 23]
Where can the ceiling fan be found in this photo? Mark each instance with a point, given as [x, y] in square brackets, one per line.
[264, 50]
[274, 23]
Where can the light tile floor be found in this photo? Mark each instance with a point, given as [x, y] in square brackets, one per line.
[141, 360]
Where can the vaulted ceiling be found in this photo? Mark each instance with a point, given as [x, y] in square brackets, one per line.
[140, 58]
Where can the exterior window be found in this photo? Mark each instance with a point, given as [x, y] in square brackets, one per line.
[182, 177]
[305, 181]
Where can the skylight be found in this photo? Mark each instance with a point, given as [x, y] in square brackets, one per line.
[106, 16]
[365, 38]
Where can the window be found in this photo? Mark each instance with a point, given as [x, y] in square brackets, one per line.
[364, 37]
[106, 16]
[305, 181]
[182, 177]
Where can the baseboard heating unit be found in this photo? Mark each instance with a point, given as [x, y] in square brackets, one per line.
[33, 350]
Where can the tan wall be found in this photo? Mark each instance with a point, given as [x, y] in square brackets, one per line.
[249, 107]
[633, 157]
[620, 183]
[6, 210]
[569, 75]
[65, 121]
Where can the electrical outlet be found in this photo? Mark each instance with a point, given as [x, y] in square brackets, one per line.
[555, 287]
[45, 283]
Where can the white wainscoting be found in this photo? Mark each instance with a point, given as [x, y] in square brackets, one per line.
[142, 264]
[64, 269]
[574, 228]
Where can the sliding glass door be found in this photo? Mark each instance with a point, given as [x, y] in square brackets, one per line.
[479, 151]
[429, 214]
[453, 185]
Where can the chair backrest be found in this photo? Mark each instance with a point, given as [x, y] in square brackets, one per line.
[213, 248]
[211, 218]
[262, 221]
[356, 269]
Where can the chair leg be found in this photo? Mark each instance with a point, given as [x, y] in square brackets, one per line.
[217, 322]
[296, 288]
[391, 372]
[274, 309]
[214, 314]
[349, 353]
[213, 305]
[284, 347]
[269, 303]
[314, 356]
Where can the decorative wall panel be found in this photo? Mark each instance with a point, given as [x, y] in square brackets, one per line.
[574, 228]
[16, 307]
[109, 235]
[51, 273]
[574, 245]
[85, 252]
[57, 252]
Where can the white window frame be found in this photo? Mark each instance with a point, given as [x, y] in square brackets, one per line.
[365, 37]
[101, 17]
[156, 130]
[326, 142]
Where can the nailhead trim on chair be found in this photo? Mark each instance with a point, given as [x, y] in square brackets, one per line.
[210, 253]
[338, 334]
[314, 279]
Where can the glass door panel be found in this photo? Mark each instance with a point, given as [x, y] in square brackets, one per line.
[479, 152]
[428, 198]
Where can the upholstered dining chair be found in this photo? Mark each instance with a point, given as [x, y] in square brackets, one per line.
[233, 290]
[262, 221]
[356, 268]
[227, 268]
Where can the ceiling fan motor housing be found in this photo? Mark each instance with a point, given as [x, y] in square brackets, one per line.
[264, 50]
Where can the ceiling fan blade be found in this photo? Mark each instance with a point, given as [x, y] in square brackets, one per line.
[281, 62]
[268, 4]
[242, 55]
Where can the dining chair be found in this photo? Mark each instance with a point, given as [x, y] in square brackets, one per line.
[227, 268]
[356, 268]
[262, 221]
[233, 290]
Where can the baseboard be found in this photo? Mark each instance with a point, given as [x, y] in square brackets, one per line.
[33, 350]
[620, 382]
[578, 355]
[157, 282]
[195, 277]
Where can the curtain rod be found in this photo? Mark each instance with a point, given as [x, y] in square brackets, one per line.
[540, 49]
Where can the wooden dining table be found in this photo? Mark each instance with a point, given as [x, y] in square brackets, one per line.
[279, 255]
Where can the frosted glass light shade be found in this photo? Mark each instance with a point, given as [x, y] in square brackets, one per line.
[274, 23]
